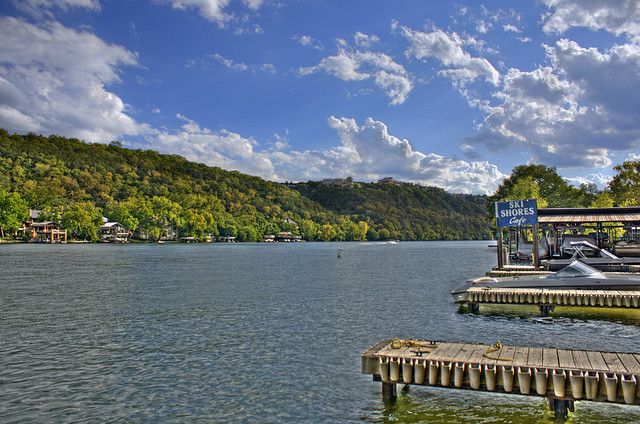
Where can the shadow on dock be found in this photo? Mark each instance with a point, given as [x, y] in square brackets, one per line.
[615, 315]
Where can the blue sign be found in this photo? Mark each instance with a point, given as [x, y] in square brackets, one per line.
[516, 213]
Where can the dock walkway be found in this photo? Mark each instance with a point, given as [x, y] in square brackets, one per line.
[561, 375]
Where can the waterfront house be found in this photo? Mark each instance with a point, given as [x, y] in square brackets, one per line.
[113, 232]
[47, 232]
[287, 236]
[269, 238]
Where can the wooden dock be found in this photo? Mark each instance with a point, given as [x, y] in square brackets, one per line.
[547, 299]
[563, 376]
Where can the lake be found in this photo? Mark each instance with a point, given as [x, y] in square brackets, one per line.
[264, 333]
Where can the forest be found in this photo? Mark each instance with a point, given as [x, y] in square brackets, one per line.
[77, 184]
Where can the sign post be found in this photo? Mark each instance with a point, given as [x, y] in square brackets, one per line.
[518, 213]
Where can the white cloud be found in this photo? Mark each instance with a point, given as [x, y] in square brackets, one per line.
[44, 8]
[308, 41]
[155, 110]
[253, 4]
[211, 10]
[217, 11]
[223, 148]
[575, 112]
[366, 152]
[599, 179]
[230, 63]
[523, 39]
[510, 28]
[615, 16]
[243, 67]
[355, 65]
[365, 40]
[460, 66]
[633, 157]
[54, 80]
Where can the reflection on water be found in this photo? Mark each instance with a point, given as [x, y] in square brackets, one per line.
[253, 333]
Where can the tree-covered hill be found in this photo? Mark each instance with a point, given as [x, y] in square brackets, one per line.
[403, 210]
[78, 183]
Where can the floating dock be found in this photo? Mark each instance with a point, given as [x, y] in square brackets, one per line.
[562, 376]
[548, 299]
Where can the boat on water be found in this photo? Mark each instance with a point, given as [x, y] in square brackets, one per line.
[602, 260]
[575, 276]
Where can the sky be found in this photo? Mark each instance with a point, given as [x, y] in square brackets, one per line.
[451, 94]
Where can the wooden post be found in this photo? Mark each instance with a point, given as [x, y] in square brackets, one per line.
[389, 392]
[560, 408]
[535, 254]
[499, 249]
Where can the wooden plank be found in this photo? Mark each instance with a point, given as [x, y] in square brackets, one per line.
[581, 360]
[630, 362]
[597, 361]
[550, 358]
[565, 359]
[613, 362]
[476, 356]
[520, 356]
[464, 352]
[535, 357]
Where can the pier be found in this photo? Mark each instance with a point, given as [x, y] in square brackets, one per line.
[548, 299]
[562, 376]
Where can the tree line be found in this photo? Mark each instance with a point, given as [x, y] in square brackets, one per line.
[76, 184]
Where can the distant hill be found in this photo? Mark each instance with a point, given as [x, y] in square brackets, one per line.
[407, 211]
[78, 183]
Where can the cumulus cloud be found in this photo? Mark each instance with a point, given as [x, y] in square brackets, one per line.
[223, 148]
[356, 65]
[217, 11]
[366, 152]
[599, 179]
[616, 16]
[448, 48]
[574, 112]
[54, 80]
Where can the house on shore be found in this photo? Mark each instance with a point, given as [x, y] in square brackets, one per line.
[47, 232]
[113, 232]
[37, 231]
[287, 236]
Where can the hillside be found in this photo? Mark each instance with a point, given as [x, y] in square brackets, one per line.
[407, 211]
[78, 183]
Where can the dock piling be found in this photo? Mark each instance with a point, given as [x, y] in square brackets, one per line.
[389, 392]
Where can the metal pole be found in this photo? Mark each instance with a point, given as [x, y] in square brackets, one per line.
[499, 249]
[535, 254]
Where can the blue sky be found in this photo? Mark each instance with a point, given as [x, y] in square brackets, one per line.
[452, 94]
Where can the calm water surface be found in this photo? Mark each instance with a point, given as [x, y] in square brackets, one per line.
[255, 333]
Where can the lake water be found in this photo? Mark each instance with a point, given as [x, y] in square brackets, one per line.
[264, 333]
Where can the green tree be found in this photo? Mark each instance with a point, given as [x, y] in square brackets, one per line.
[602, 200]
[625, 185]
[327, 232]
[13, 212]
[551, 187]
[81, 220]
[527, 188]
[124, 213]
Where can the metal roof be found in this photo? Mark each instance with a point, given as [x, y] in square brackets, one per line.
[588, 215]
